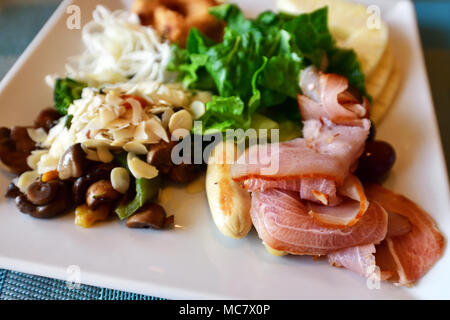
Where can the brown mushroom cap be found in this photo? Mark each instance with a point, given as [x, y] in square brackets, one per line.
[60, 204]
[101, 192]
[151, 215]
[15, 147]
[12, 191]
[93, 174]
[71, 163]
[22, 140]
[39, 193]
[160, 155]
[46, 118]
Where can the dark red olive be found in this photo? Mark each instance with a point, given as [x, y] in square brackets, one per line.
[376, 161]
[372, 132]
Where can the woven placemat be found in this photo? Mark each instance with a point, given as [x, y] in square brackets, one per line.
[15, 285]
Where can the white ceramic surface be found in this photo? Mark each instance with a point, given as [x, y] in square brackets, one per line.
[194, 260]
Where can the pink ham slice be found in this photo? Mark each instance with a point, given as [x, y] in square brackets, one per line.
[317, 166]
[327, 152]
[327, 96]
[411, 247]
[283, 223]
[408, 256]
[358, 259]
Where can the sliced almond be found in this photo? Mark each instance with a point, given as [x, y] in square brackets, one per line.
[139, 168]
[166, 117]
[120, 179]
[35, 157]
[104, 155]
[94, 143]
[135, 147]
[198, 108]
[155, 127]
[180, 120]
[37, 135]
[92, 155]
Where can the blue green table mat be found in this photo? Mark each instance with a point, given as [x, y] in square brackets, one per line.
[21, 20]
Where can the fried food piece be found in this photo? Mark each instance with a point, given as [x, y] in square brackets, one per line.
[174, 18]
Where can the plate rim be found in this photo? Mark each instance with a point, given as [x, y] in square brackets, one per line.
[151, 288]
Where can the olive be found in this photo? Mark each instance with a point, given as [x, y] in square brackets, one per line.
[376, 161]
[372, 132]
[39, 193]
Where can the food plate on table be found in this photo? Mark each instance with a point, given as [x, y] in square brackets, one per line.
[189, 257]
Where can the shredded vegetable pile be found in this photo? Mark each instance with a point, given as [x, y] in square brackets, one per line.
[119, 49]
[257, 65]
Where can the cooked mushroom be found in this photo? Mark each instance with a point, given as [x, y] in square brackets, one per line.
[151, 215]
[12, 191]
[61, 202]
[93, 174]
[22, 140]
[72, 162]
[15, 147]
[160, 155]
[101, 192]
[184, 173]
[5, 133]
[47, 118]
[40, 193]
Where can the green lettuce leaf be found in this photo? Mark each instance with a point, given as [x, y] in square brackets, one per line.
[257, 65]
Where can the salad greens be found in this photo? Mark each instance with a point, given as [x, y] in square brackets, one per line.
[65, 92]
[257, 66]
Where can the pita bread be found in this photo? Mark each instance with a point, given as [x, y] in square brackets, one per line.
[378, 78]
[381, 104]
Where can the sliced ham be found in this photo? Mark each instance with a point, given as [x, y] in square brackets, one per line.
[327, 152]
[328, 96]
[358, 259]
[411, 247]
[283, 223]
[410, 255]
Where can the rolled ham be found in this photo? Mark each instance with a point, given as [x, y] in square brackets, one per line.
[328, 96]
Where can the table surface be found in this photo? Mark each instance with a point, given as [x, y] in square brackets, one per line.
[20, 20]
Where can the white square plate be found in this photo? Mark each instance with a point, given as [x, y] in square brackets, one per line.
[195, 260]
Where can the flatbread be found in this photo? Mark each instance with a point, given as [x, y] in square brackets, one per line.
[380, 75]
[382, 103]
